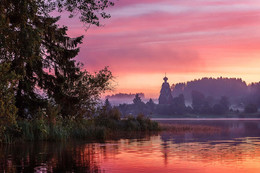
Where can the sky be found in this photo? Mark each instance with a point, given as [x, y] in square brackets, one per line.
[186, 39]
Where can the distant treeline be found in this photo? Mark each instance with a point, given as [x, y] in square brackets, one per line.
[124, 96]
[236, 90]
[201, 105]
[204, 96]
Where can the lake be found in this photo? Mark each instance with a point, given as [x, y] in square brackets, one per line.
[235, 147]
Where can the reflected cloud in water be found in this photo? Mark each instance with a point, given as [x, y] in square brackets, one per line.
[236, 147]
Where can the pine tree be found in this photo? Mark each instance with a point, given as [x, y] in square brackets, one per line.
[137, 100]
[42, 54]
[107, 105]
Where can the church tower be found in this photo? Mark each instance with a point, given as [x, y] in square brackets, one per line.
[165, 93]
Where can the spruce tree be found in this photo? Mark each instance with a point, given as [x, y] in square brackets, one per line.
[42, 54]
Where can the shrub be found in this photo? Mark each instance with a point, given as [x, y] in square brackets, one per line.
[115, 114]
[55, 128]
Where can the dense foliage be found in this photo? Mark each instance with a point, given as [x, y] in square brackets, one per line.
[200, 106]
[215, 87]
[42, 54]
[251, 108]
[7, 99]
[235, 89]
[206, 96]
[44, 93]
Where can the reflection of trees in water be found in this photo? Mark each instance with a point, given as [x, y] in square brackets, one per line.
[211, 149]
[237, 141]
[229, 130]
[227, 152]
[63, 157]
[51, 157]
[170, 148]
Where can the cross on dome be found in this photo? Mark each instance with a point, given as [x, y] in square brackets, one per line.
[165, 78]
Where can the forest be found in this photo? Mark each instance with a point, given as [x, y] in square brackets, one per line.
[236, 90]
[45, 94]
[206, 96]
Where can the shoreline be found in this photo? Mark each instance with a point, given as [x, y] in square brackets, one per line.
[205, 119]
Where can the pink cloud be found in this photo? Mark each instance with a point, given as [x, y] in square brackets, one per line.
[198, 37]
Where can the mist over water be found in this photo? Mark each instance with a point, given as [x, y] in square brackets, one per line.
[233, 148]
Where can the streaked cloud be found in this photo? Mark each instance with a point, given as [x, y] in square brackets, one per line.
[180, 37]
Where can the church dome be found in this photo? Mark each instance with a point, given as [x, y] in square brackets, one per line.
[165, 79]
[165, 93]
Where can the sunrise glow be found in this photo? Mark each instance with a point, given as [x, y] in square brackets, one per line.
[186, 39]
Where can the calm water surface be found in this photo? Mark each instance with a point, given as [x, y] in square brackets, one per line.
[235, 148]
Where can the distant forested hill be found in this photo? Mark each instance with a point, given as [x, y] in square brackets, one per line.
[235, 89]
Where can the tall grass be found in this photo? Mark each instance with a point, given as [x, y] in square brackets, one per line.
[64, 129]
[59, 129]
[50, 126]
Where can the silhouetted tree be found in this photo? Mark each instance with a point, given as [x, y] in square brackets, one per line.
[210, 100]
[198, 101]
[206, 108]
[254, 94]
[107, 105]
[124, 109]
[178, 105]
[251, 108]
[233, 88]
[42, 55]
[115, 114]
[137, 100]
[222, 106]
[219, 109]
[150, 105]
[225, 103]
[138, 106]
[179, 101]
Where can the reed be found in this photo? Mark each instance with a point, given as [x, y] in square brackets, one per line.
[60, 129]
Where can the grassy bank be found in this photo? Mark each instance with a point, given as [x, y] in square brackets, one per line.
[98, 128]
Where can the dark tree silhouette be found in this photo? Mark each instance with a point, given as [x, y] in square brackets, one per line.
[150, 106]
[137, 100]
[251, 108]
[107, 105]
[231, 87]
[224, 101]
[42, 55]
[198, 100]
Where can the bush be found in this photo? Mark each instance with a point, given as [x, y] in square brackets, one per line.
[115, 114]
[56, 128]
[140, 123]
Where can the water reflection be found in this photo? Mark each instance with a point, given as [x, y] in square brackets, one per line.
[235, 148]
